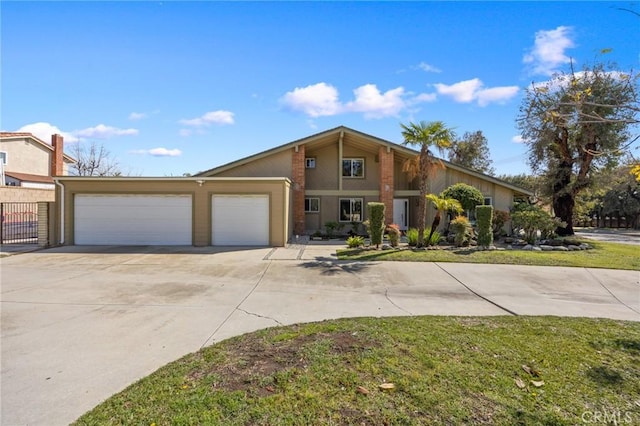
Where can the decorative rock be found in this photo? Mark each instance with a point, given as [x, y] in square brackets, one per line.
[502, 248]
[492, 247]
[509, 247]
[386, 247]
[545, 247]
[560, 248]
[508, 240]
[528, 247]
[536, 248]
[585, 246]
[573, 248]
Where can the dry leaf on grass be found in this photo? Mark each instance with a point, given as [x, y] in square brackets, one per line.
[537, 384]
[362, 390]
[387, 386]
[520, 383]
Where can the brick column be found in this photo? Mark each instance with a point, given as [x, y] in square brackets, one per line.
[57, 160]
[386, 181]
[298, 178]
[43, 224]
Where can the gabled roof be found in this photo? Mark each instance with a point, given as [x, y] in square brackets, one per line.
[36, 140]
[364, 136]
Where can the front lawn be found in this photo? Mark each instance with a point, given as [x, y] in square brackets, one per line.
[438, 371]
[603, 255]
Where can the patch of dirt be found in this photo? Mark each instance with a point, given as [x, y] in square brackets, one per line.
[252, 362]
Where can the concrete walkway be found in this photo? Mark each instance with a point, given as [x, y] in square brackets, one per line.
[81, 323]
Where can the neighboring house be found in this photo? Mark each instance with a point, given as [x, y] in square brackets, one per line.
[28, 166]
[336, 173]
[262, 200]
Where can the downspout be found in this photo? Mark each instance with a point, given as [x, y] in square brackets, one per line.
[61, 210]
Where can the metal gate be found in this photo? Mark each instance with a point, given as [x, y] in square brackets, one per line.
[19, 223]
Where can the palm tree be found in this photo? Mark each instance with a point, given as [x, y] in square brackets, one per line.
[425, 135]
[442, 205]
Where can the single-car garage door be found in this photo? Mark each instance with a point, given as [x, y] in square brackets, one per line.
[240, 220]
[137, 219]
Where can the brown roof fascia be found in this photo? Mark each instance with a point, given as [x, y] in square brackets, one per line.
[26, 177]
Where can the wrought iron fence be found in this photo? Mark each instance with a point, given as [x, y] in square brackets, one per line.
[19, 223]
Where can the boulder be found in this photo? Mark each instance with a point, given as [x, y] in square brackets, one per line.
[560, 248]
[528, 247]
[545, 247]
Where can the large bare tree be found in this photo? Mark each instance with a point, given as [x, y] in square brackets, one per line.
[93, 160]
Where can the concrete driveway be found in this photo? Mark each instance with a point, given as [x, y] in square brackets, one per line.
[81, 323]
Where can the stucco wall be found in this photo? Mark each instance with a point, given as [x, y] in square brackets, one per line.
[26, 157]
[25, 195]
[275, 165]
[278, 191]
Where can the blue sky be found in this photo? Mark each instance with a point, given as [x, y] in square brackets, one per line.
[175, 87]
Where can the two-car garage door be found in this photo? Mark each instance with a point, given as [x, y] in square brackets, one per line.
[136, 219]
[167, 219]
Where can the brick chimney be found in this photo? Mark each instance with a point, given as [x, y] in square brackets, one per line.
[57, 161]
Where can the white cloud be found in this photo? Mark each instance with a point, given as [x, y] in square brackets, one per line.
[468, 91]
[517, 139]
[212, 117]
[103, 132]
[185, 132]
[548, 51]
[428, 68]
[316, 100]
[43, 131]
[496, 94]
[463, 91]
[158, 152]
[134, 116]
[322, 99]
[374, 104]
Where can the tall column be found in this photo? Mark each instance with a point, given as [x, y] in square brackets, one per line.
[385, 155]
[298, 178]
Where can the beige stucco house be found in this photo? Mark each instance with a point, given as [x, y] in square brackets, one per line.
[335, 173]
[28, 166]
[262, 200]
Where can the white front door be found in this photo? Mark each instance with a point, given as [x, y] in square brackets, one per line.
[401, 213]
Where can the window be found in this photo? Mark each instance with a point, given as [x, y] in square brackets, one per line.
[488, 201]
[312, 205]
[3, 157]
[351, 210]
[353, 167]
[310, 163]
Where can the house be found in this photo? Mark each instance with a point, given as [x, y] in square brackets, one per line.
[261, 200]
[335, 173]
[28, 165]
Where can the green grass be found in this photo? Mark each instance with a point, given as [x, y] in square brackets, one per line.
[446, 371]
[603, 255]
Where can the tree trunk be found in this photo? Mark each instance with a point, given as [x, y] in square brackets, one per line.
[563, 207]
[564, 198]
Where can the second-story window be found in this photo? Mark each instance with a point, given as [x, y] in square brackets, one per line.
[353, 167]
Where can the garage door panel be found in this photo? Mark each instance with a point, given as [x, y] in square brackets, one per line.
[241, 220]
[133, 219]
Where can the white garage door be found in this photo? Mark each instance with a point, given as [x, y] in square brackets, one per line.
[138, 219]
[240, 220]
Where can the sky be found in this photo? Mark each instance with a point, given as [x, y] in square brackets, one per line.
[179, 87]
